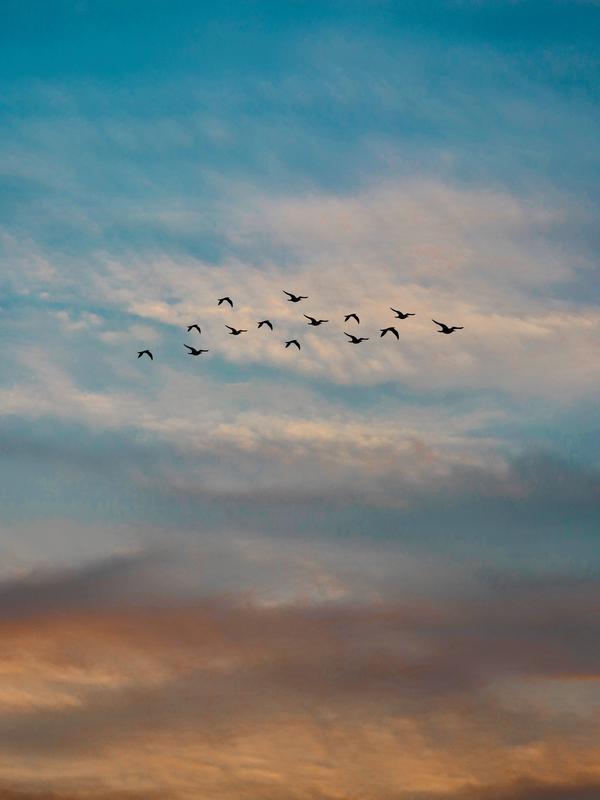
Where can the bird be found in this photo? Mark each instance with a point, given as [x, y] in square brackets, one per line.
[266, 322]
[356, 339]
[400, 315]
[294, 298]
[446, 329]
[293, 341]
[193, 351]
[225, 300]
[350, 316]
[314, 322]
[145, 353]
[391, 329]
[236, 331]
[191, 328]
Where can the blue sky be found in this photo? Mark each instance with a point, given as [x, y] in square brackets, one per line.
[440, 158]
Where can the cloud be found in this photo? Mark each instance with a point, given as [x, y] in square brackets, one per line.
[581, 788]
[126, 666]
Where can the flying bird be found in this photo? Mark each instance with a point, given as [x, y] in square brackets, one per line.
[191, 328]
[391, 329]
[193, 351]
[225, 300]
[313, 321]
[446, 329]
[352, 316]
[145, 353]
[293, 341]
[294, 298]
[266, 322]
[236, 331]
[356, 339]
[400, 315]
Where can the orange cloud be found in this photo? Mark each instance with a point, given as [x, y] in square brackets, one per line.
[227, 698]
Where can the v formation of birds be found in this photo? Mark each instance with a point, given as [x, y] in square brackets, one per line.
[314, 322]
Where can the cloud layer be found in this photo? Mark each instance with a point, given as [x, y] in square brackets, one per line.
[128, 675]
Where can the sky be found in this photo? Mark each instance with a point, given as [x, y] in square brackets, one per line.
[342, 573]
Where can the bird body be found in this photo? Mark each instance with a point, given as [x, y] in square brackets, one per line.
[447, 329]
[236, 331]
[356, 339]
[400, 315]
[225, 300]
[266, 322]
[193, 351]
[293, 341]
[352, 316]
[315, 322]
[392, 330]
[145, 353]
[191, 328]
[294, 298]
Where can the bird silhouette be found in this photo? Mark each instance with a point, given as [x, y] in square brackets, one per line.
[400, 315]
[193, 351]
[391, 329]
[313, 321]
[351, 316]
[293, 341]
[266, 322]
[236, 331]
[294, 298]
[145, 353]
[225, 300]
[191, 328]
[446, 329]
[356, 339]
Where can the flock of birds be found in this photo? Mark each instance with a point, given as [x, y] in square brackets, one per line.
[313, 321]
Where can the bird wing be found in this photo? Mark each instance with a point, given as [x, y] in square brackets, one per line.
[441, 324]
[191, 349]
[230, 328]
[396, 334]
[349, 335]
[289, 294]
